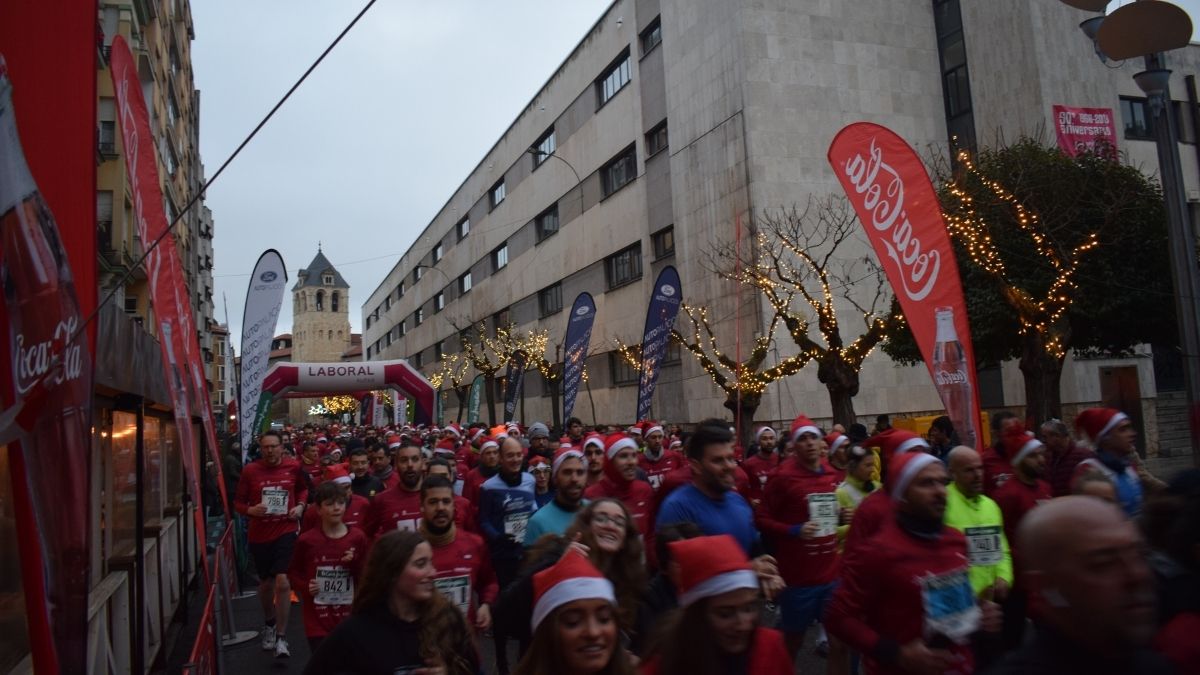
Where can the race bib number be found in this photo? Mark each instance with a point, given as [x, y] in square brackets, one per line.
[950, 608]
[823, 510]
[408, 524]
[655, 481]
[516, 524]
[334, 586]
[457, 590]
[276, 500]
[983, 546]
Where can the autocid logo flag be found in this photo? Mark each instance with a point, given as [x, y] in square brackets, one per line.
[264, 297]
[660, 318]
[579, 334]
[514, 378]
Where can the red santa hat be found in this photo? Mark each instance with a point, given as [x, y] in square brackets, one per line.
[903, 468]
[802, 425]
[650, 426]
[617, 442]
[1018, 443]
[393, 441]
[1096, 423]
[478, 432]
[758, 433]
[564, 453]
[322, 439]
[444, 447]
[454, 430]
[635, 430]
[593, 439]
[572, 578]
[711, 566]
[896, 442]
[676, 442]
[538, 461]
[337, 474]
[489, 442]
[836, 440]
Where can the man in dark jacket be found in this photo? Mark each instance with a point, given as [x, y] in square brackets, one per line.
[1091, 591]
[1062, 456]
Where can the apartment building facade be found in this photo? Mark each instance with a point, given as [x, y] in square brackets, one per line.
[673, 122]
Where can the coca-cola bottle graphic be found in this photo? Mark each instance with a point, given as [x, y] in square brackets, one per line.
[950, 376]
[51, 372]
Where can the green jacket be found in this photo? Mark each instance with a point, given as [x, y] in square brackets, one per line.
[981, 522]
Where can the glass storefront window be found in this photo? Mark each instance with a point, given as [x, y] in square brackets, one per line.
[172, 470]
[121, 449]
[15, 645]
[152, 438]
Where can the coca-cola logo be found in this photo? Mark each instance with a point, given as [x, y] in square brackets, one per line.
[943, 377]
[55, 360]
[881, 191]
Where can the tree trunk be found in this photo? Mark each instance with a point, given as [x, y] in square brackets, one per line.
[748, 406]
[462, 393]
[1043, 376]
[490, 386]
[841, 380]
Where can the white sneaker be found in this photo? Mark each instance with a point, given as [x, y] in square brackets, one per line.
[268, 638]
[281, 648]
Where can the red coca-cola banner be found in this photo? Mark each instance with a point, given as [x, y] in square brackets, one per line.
[168, 292]
[893, 197]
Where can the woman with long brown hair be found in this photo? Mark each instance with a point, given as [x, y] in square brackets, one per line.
[574, 621]
[613, 545]
[400, 622]
[717, 629]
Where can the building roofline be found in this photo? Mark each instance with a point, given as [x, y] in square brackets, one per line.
[493, 147]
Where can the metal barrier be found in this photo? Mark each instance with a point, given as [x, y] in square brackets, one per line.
[217, 628]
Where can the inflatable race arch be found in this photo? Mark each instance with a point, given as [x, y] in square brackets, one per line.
[302, 380]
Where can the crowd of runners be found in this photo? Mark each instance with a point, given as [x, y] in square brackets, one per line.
[656, 550]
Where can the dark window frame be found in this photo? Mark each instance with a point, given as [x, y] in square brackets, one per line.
[439, 301]
[623, 62]
[500, 187]
[542, 154]
[465, 283]
[661, 252]
[463, 228]
[550, 300]
[539, 223]
[657, 139]
[627, 159]
[614, 274]
[623, 374]
[651, 36]
[495, 256]
[1127, 104]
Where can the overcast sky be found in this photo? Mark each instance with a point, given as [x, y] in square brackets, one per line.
[373, 144]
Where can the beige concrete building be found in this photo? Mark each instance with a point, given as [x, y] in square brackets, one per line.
[320, 323]
[674, 120]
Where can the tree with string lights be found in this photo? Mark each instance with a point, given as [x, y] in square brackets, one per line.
[807, 264]
[743, 382]
[454, 370]
[1058, 254]
[489, 354]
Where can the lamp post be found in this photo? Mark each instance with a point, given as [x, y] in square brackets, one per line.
[1121, 35]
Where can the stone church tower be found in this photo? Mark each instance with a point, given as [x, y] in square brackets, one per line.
[320, 323]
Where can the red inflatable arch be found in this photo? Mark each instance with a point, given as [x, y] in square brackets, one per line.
[286, 380]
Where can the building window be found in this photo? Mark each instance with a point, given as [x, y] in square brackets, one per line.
[624, 266]
[417, 272]
[333, 301]
[418, 316]
[438, 252]
[550, 300]
[464, 283]
[387, 303]
[956, 85]
[497, 193]
[546, 223]
[400, 290]
[439, 302]
[327, 279]
[438, 348]
[464, 228]
[403, 328]
[652, 36]
[500, 320]
[416, 360]
[500, 257]
[622, 372]
[619, 172]
[388, 339]
[664, 242]
[614, 78]
[544, 147]
[320, 300]
[1139, 124]
[656, 139]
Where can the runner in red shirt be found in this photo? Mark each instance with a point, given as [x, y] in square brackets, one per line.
[400, 507]
[906, 602]
[464, 570]
[381, 462]
[488, 466]
[621, 482]
[356, 506]
[327, 564]
[760, 462]
[465, 518]
[800, 514]
[593, 452]
[997, 465]
[836, 445]
[271, 493]
[656, 461]
[310, 464]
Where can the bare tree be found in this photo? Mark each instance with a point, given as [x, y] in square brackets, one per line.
[806, 263]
